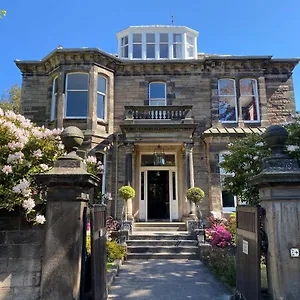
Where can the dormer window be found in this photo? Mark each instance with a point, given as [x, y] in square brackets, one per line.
[124, 46]
[150, 48]
[177, 45]
[137, 46]
[157, 42]
[77, 95]
[163, 45]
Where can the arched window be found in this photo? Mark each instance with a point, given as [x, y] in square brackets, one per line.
[101, 97]
[77, 95]
[157, 93]
[249, 100]
[54, 98]
[227, 100]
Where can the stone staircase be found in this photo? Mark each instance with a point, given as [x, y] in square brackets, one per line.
[161, 241]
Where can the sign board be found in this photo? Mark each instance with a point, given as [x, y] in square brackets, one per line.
[245, 247]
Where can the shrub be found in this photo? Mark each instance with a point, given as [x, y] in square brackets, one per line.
[25, 150]
[126, 192]
[231, 227]
[114, 251]
[219, 236]
[195, 194]
[213, 221]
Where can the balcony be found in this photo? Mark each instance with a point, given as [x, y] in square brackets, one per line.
[162, 113]
[154, 123]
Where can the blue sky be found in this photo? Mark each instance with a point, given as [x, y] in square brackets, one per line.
[33, 28]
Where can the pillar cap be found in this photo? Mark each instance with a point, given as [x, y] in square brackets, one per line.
[72, 138]
[275, 137]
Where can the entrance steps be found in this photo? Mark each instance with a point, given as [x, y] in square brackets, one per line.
[161, 241]
[160, 226]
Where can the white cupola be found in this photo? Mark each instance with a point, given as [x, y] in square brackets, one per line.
[156, 42]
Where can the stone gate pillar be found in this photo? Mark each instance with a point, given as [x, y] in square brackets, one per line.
[68, 188]
[279, 192]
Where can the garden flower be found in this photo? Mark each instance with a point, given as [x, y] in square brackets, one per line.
[292, 148]
[44, 167]
[38, 153]
[91, 159]
[7, 169]
[16, 156]
[23, 185]
[28, 204]
[61, 147]
[15, 145]
[40, 219]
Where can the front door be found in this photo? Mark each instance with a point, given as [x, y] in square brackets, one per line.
[158, 195]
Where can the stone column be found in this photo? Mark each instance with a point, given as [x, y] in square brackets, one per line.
[189, 167]
[128, 176]
[68, 187]
[92, 100]
[60, 100]
[279, 192]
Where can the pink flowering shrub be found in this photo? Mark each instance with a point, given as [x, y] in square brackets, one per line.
[25, 150]
[219, 236]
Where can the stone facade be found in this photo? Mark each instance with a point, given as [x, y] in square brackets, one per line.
[188, 83]
[20, 256]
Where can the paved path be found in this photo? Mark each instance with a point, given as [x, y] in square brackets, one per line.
[166, 279]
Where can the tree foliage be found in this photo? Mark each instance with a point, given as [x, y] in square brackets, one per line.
[11, 100]
[245, 160]
[2, 13]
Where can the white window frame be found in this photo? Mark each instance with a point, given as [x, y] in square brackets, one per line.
[53, 114]
[157, 99]
[188, 46]
[66, 99]
[150, 43]
[124, 46]
[164, 43]
[178, 43]
[137, 43]
[229, 96]
[256, 100]
[224, 174]
[105, 98]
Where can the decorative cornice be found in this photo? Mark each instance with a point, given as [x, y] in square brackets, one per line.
[209, 64]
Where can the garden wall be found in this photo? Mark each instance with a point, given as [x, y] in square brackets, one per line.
[21, 250]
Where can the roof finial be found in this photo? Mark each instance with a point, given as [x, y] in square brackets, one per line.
[172, 20]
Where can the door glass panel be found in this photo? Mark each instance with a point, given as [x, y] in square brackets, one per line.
[142, 185]
[174, 185]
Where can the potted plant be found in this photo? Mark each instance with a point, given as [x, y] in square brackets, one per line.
[195, 195]
[127, 193]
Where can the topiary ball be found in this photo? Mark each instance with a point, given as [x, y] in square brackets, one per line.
[195, 194]
[126, 192]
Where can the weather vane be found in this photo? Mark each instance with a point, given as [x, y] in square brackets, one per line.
[172, 20]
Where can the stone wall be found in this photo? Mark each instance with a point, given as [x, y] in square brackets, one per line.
[36, 98]
[21, 250]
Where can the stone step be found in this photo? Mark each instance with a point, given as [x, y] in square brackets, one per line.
[159, 226]
[162, 255]
[173, 236]
[161, 242]
[162, 249]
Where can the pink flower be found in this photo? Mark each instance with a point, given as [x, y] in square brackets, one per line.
[7, 169]
[38, 153]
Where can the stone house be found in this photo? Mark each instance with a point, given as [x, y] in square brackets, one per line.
[159, 114]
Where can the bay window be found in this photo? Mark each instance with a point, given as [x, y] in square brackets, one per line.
[124, 47]
[163, 45]
[227, 100]
[54, 98]
[101, 97]
[190, 46]
[249, 99]
[77, 95]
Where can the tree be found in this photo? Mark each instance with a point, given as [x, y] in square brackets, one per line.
[2, 13]
[11, 100]
[245, 160]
